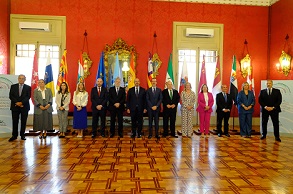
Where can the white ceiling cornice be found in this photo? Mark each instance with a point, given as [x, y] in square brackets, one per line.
[231, 2]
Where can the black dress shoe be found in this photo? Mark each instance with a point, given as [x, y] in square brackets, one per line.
[93, 136]
[138, 136]
[278, 139]
[263, 137]
[228, 135]
[112, 135]
[150, 136]
[103, 135]
[132, 136]
[164, 136]
[12, 139]
[23, 138]
[220, 135]
[157, 136]
[120, 136]
[175, 136]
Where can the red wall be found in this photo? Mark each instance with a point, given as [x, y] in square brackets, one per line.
[281, 25]
[136, 20]
[4, 34]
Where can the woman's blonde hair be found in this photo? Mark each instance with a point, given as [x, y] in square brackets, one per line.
[187, 83]
[244, 85]
[77, 88]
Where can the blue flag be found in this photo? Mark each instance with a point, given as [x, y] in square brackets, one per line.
[48, 78]
[118, 71]
[101, 71]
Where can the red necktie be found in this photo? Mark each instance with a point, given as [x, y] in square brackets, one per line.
[99, 92]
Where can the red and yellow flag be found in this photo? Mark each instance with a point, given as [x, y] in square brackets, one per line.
[63, 72]
[132, 75]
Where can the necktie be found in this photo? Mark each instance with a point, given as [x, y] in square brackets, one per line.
[171, 94]
[99, 91]
[154, 90]
[20, 89]
[117, 90]
[136, 92]
[225, 96]
[270, 92]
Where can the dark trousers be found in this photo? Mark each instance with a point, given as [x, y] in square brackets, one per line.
[169, 115]
[275, 119]
[15, 118]
[119, 114]
[220, 116]
[96, 115]
[153, 115]
[245, 120]
[136, 121]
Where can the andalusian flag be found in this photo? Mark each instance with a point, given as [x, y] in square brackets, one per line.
[233, 81]
[132, 75]
[169, 74]
[63, 71]
[48, 78]
[150, 71]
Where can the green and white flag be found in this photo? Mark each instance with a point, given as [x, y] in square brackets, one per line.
[169, 74]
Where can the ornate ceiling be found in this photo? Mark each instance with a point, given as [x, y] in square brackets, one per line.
[232, 2]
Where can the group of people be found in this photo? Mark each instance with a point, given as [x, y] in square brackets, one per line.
[139, 101]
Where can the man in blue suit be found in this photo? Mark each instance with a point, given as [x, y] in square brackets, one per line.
[99, 98]
[136, 106]
[154, 98]
[270, 100]
[19, 95]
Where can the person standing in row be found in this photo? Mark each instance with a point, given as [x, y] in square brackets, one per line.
[170, 101]
[136, 106]
[270, 100]
[154, 100]
[19, 95]
[62, 105]
[99, 98]
[188, 99]
[205, 103]
[43, 120]
[80, 100]
[245, 102]
[116, 106]
[224, 104]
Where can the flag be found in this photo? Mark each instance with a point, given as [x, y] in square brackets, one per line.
[184, 77]
[118, 71]
[233, 81]
[132, 75]
[35, 75]
[150, 70]
[48, 78]
[101, 71]
[63, 72]
[217, 78]
[80, 75]
[203, 77]
[169, 74]
[110, 76]
[250, 79]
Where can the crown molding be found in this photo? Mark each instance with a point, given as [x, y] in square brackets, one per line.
[229, 2]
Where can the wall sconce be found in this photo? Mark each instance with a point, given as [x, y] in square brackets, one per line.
[285, 60]
[245, 66]
[1, 59]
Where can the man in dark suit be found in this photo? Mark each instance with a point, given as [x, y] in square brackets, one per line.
[154, 99]
[136, 106]
[116, 106]
[19, 95]
[270, 100]
[99, 98]
[224, 104]
[170, 101]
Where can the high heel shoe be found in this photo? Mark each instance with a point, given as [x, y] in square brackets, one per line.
[44, 136]
[40, 136]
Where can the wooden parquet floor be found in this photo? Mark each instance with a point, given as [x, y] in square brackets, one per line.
[130, 166]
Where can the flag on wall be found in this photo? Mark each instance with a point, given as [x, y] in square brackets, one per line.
[203, 77]
[150, 70]
[118, 71]
[35, 74]
[132, 75]
[101, 71]
[233, 81]
[48, 78]
[80, 75]
[250, 79]
[63, 72]
[184, 77]
[217, 78]
[110, 76]
[169, 74]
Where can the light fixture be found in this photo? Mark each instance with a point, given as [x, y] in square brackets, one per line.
[1, 59]
[125, 66]
[245, 63]
[285, 60]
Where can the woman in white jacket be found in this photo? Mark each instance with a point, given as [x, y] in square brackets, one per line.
[80, 100]
[62, 100]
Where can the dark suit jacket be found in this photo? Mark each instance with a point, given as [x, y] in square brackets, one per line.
[114, 98]
[221, 104]
[247, 101]
[154, 99]
[99, 100]
[24, 98]
[167, 100]
[134, 102]
[273, 100]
